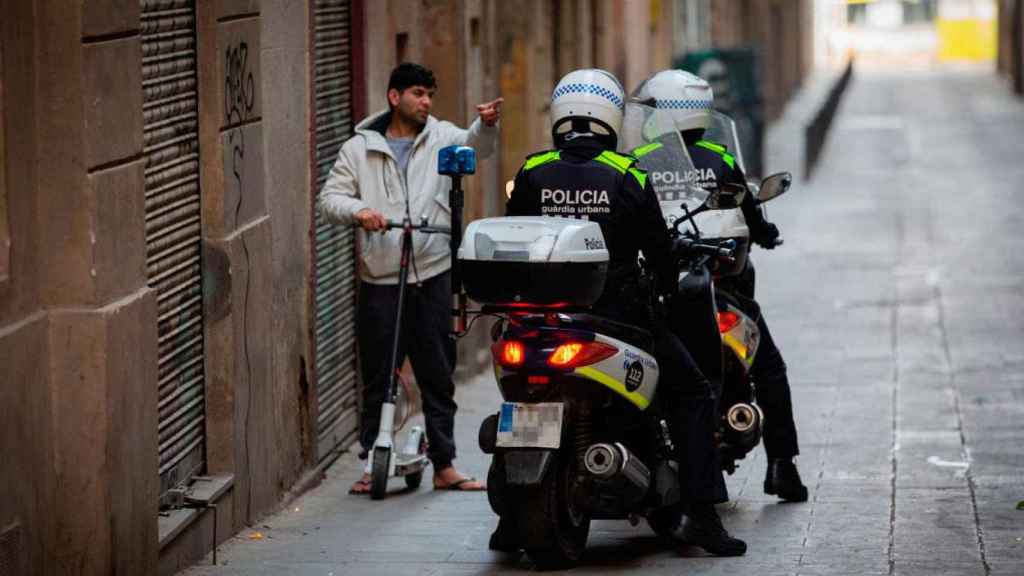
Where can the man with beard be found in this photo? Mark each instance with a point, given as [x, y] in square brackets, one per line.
[388, 171]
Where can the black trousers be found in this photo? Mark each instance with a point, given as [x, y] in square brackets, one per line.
[690, 399]
[771, 386]
[425, 340]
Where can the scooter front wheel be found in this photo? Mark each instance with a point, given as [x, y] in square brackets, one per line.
[379, 473]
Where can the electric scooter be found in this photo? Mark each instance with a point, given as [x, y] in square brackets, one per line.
[383, 462]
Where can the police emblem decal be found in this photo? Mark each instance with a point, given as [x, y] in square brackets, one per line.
[634, 375]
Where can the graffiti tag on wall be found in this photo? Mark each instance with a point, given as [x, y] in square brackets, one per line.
[239, 101]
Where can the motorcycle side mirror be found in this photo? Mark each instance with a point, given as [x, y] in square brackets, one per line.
[774, 185]
[726, 197]
[456, 161]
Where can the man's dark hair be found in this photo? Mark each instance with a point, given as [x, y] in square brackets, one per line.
[407, 74]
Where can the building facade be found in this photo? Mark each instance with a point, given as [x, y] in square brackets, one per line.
[176, 322]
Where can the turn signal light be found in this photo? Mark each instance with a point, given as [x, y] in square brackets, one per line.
[727, 321]
[512, 354]
[574, 354]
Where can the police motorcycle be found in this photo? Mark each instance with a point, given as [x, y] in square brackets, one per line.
[717, 329]
[580, 435]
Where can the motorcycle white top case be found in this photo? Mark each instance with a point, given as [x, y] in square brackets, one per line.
[539, 261]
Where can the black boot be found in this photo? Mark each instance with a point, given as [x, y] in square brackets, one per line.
[783, 480]
[702, 527]
[504, 537]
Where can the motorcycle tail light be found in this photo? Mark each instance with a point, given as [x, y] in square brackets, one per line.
[727, 321]
[575, 354]
[510, 353]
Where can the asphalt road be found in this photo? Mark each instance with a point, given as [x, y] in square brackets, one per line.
[897, 302]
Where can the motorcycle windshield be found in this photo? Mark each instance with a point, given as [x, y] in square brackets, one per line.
[650, 134]
[723, 131]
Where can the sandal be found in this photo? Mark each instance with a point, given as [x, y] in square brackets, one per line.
[460, 485]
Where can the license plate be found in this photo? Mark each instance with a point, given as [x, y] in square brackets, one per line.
[530, 425]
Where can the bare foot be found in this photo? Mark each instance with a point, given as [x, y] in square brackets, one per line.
[450, 479]
[361, 486]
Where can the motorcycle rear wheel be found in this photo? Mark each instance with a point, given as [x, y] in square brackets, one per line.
[553, 534]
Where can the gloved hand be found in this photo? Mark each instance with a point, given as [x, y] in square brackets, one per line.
[766, 236]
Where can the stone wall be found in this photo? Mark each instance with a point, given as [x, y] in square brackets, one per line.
[78, 438]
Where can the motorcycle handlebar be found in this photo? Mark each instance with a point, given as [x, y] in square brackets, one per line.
[724, 249]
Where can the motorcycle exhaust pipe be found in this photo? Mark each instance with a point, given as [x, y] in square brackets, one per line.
[614, 461]
[744, 423]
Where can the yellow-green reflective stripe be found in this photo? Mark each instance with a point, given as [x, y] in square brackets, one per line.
[614, 160]
[534, 161]
[640, 176]
[720, 150]
[623, 165]
[619, 387]
[646, 149]
[711, 146]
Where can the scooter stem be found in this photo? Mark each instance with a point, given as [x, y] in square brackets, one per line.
[391, 392]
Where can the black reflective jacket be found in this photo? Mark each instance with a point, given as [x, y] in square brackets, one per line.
[583, 180]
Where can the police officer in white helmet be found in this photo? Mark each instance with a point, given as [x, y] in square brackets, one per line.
[688, 100]
[586, 113]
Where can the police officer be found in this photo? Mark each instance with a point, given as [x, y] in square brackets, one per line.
[688, 99]
[586, 111]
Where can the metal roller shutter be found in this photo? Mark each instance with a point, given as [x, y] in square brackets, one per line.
[173, 232]
[334, 259]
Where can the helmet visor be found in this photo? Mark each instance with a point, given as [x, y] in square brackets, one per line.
[666, 161]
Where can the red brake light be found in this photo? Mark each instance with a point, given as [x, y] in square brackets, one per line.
[574, 354]
[510, 354]
[727, 321]
[538, 380]
[530, 305]
[565, 354]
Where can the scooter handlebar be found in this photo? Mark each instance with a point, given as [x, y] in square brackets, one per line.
[421, 227]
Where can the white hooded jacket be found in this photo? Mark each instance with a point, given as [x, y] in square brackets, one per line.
[366, 175]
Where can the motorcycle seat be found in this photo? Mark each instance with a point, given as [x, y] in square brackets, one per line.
[628, 333]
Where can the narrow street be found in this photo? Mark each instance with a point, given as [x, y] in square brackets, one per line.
[896, 301]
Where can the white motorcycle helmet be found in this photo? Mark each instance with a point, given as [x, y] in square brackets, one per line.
[684, 97]
[587, 102]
